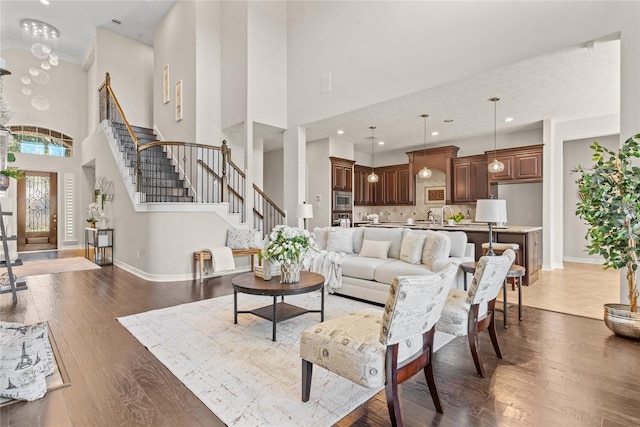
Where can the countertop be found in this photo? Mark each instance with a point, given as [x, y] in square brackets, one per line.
[423, 225]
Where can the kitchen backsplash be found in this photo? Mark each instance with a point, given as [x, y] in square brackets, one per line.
[401, 213]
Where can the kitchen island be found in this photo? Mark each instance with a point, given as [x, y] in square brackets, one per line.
[528, 237]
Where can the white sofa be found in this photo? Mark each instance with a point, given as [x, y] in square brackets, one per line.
[374, 256]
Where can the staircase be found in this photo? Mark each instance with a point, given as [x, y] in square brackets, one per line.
[181, 172]
[161, 182]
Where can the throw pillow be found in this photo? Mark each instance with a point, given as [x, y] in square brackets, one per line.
[320, 236]
[411, 248]
[241, 239]
[340, 240]
[436, 246]
[375, 248]
[458, 242]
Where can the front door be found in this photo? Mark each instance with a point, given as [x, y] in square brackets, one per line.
[37, 211]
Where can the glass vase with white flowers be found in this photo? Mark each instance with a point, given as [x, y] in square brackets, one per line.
[288, 246]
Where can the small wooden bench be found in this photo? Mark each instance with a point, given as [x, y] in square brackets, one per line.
[201, 256]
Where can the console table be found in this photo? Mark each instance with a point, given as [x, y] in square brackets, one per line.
[101, 241]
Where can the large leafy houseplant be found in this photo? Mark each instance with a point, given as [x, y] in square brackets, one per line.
[610, 204]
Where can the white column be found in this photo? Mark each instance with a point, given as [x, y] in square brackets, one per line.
[248, 164]
[295, 171]
[551, 197]
[629, 100]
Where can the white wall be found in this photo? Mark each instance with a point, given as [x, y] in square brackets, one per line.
[130, 65]
[234, 63]
[370, 47]
[174, 42]
[208, 114]
[318, 169]
[267, 60]
[273, 176]
[65, 92]
[578, 152]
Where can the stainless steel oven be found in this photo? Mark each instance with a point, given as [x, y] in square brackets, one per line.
[342, 201]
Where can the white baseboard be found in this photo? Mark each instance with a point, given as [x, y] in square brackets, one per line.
[173, 277]
[583, 260]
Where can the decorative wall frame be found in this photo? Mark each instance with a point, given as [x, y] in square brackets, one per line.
[178, 100]
[165, 85]
[435, 195]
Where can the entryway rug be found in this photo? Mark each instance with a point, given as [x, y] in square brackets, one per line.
[50, 266]
[238, 372]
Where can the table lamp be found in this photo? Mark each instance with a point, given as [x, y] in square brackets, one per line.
[305, 211]
[491, 211]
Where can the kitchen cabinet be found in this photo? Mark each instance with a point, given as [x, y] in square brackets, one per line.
[394, 186]
[341, 174]
[362, 189]
[469, 179]
[521, 164]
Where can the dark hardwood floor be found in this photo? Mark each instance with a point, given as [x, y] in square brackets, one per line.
[558, 370]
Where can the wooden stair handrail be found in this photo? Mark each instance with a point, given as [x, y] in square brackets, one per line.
[271, 202]
[219, 178]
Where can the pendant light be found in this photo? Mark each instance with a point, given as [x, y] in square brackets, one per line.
[373, 178]
[425, 172]
[496, 165]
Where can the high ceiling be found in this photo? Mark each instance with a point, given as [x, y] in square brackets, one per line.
[576, 82]
[77, 21]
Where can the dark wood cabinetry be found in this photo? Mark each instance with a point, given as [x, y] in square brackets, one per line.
[394, 186]
[362, 189]
[469, 179]
[521, 164]
[529, 246]
[341, 174]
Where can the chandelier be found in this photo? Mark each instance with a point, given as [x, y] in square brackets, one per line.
[496, 165]
[373, 178]
[41, 36]
[425, 172]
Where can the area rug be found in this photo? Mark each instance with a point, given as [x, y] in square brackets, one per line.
[56, 380]
[50, 266]
[238, 372]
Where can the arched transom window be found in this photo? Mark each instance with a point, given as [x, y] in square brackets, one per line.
[38, 140]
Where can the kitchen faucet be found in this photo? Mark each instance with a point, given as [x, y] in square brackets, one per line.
[442, 213]
[431, 214]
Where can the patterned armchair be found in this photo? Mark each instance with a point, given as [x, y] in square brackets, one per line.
[372, 350]
[471, 312]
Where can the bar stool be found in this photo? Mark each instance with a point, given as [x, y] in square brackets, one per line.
[498, 249]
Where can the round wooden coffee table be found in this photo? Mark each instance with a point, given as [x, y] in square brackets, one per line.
[248, 283]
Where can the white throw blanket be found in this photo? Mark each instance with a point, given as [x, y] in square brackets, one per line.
[329, 264]
[222, 259]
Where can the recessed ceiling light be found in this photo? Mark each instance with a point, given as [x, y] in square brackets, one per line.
[340, 132]
[434, 133]
[508, 119]
[448, 120]
[45, 2]
[380, 142]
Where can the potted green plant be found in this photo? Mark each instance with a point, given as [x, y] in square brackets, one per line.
[610, 205]
[457, 217]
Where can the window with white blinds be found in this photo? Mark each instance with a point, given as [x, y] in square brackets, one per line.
[69, 208]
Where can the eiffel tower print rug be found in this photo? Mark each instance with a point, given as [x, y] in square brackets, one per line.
[30, 363]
